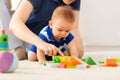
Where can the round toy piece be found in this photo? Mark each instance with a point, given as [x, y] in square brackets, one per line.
[8, 62]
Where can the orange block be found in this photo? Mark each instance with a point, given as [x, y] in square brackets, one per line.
[71, 62]
[76, 60]
[68, 63]
[111, 62]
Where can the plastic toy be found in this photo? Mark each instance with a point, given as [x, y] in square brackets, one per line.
[89, 61]
[67, 62]
[3, 41]
[110, 62]
[8, 60]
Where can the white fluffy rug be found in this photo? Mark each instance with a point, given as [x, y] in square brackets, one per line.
[33, 71]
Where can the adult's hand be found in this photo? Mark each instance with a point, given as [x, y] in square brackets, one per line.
[50, 49]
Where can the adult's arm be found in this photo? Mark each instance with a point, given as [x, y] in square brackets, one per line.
[18, 28]
[78, 40]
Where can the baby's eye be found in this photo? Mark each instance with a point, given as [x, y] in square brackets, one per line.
[67, 31]
[59, 30]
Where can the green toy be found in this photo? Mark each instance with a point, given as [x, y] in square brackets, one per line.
[3, 41]
[89, 61]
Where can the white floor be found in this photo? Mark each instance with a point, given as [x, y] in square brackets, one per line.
[33, 71]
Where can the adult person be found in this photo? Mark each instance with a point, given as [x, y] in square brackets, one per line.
[32, 15]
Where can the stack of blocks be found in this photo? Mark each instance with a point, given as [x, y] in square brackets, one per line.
[3, 41]
[8, 60]
[67, 62]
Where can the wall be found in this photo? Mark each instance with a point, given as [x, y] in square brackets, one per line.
[100, 22]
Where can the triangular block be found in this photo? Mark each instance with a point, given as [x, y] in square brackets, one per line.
[90, 61]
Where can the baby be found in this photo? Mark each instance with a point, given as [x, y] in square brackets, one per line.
[58, 34]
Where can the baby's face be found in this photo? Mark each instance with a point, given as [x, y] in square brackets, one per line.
[68, 1]
[61, 28]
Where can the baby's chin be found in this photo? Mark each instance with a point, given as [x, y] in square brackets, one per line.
[58, 38]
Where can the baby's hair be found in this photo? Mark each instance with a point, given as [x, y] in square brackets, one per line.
[65, 12]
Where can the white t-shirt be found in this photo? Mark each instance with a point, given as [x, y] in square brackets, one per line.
[14, 4]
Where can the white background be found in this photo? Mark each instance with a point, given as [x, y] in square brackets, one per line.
[100, 22]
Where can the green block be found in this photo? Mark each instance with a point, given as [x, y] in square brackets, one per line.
[90, 61]
[44, 63]
[101, 62]
[56, 60]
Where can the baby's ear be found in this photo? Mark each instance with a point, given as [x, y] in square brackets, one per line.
[50, 23]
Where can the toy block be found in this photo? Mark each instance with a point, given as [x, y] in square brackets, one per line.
[56, 60]
[101, 62]
[67, 63]
[90, 61]
[61, 66]
[65, 58]
[71, 67]
[5, 49]
[117, 59]
[111, 62]
[44, 63]
[61, 57]
[73, 61]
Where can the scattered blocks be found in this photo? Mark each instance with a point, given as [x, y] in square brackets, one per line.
[66, 62]
[111, 62]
